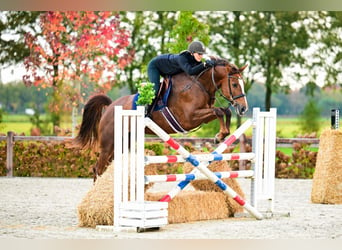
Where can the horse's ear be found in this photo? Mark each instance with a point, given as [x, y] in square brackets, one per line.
[243, 68]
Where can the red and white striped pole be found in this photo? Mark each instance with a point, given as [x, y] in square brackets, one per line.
[197, 176]
[201, 157]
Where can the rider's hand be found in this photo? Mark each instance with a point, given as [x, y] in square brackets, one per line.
[209, 63]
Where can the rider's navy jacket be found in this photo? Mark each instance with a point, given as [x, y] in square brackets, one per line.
[172, 64]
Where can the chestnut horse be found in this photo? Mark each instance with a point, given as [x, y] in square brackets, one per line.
[191, 101]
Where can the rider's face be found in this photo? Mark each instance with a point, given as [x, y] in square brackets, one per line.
[198, 56]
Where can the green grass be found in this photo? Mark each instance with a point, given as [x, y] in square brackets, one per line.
[15, 118]
[21, 124]
[288, 151]
[290, 127]
[286, 127]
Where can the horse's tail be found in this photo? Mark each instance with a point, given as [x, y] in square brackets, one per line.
[88, 134]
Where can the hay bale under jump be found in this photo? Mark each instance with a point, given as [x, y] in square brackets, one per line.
[189, 206]
[327, 178]
[96, 208]
[208, 186]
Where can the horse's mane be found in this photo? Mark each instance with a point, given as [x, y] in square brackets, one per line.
[225, 62]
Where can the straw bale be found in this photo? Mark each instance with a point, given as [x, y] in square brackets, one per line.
[327, 179]
[207, 185]
[215, 166]
[191, 206]
[96, 208]
[232, 205]
[151, 169]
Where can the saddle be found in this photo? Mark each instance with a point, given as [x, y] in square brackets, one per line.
[160, 104]
[162, 95]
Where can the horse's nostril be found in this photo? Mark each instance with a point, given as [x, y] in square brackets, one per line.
[243, 109]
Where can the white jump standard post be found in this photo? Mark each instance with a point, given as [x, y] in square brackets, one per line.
[130, 208]
[264, 147]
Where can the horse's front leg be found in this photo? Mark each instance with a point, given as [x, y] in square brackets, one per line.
[224, 126]
[228, 114]
[206, 115]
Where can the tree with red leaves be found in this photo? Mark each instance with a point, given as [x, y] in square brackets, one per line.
[75, 50]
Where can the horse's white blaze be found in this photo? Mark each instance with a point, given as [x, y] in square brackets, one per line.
[242, 85]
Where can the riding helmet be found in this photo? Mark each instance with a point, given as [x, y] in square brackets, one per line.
[196, 47]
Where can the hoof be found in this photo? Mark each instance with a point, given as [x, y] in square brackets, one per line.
[217, 139]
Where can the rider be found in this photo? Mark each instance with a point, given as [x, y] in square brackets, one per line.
[188, 61]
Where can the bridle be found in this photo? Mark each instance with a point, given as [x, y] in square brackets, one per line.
[230, 100]
[233, 98]
[230, 87]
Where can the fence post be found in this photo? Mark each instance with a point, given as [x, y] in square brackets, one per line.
[9, 159]
[335, 118]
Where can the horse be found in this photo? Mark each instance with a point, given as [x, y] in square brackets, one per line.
[191, 102]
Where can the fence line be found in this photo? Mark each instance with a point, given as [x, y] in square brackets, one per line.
[197, 142]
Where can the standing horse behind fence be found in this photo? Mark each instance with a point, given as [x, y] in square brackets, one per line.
[191, 101]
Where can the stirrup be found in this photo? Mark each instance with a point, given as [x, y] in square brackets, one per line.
[147, 110]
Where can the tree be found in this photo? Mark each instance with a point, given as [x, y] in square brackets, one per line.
[149, 34]
[72, 50]
[229, 29]
[15, 97]
[273, 42]
[13, 26]
[309, 118]
[267, 40]
[187, 29]
[159, 32]
[325, 55]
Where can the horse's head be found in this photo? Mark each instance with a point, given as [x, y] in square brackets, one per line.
[228, 77]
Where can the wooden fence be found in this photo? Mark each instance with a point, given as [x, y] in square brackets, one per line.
[197, 142]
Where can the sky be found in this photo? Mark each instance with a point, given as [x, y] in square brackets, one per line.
[12, 73]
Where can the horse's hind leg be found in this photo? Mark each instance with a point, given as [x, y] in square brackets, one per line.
[105, 158]
[94, 173]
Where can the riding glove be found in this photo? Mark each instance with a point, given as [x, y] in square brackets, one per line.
[209, 63]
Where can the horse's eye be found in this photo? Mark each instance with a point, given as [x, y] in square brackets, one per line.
[235, 85]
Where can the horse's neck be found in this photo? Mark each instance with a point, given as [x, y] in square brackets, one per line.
[183, 82]
[208, 84]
